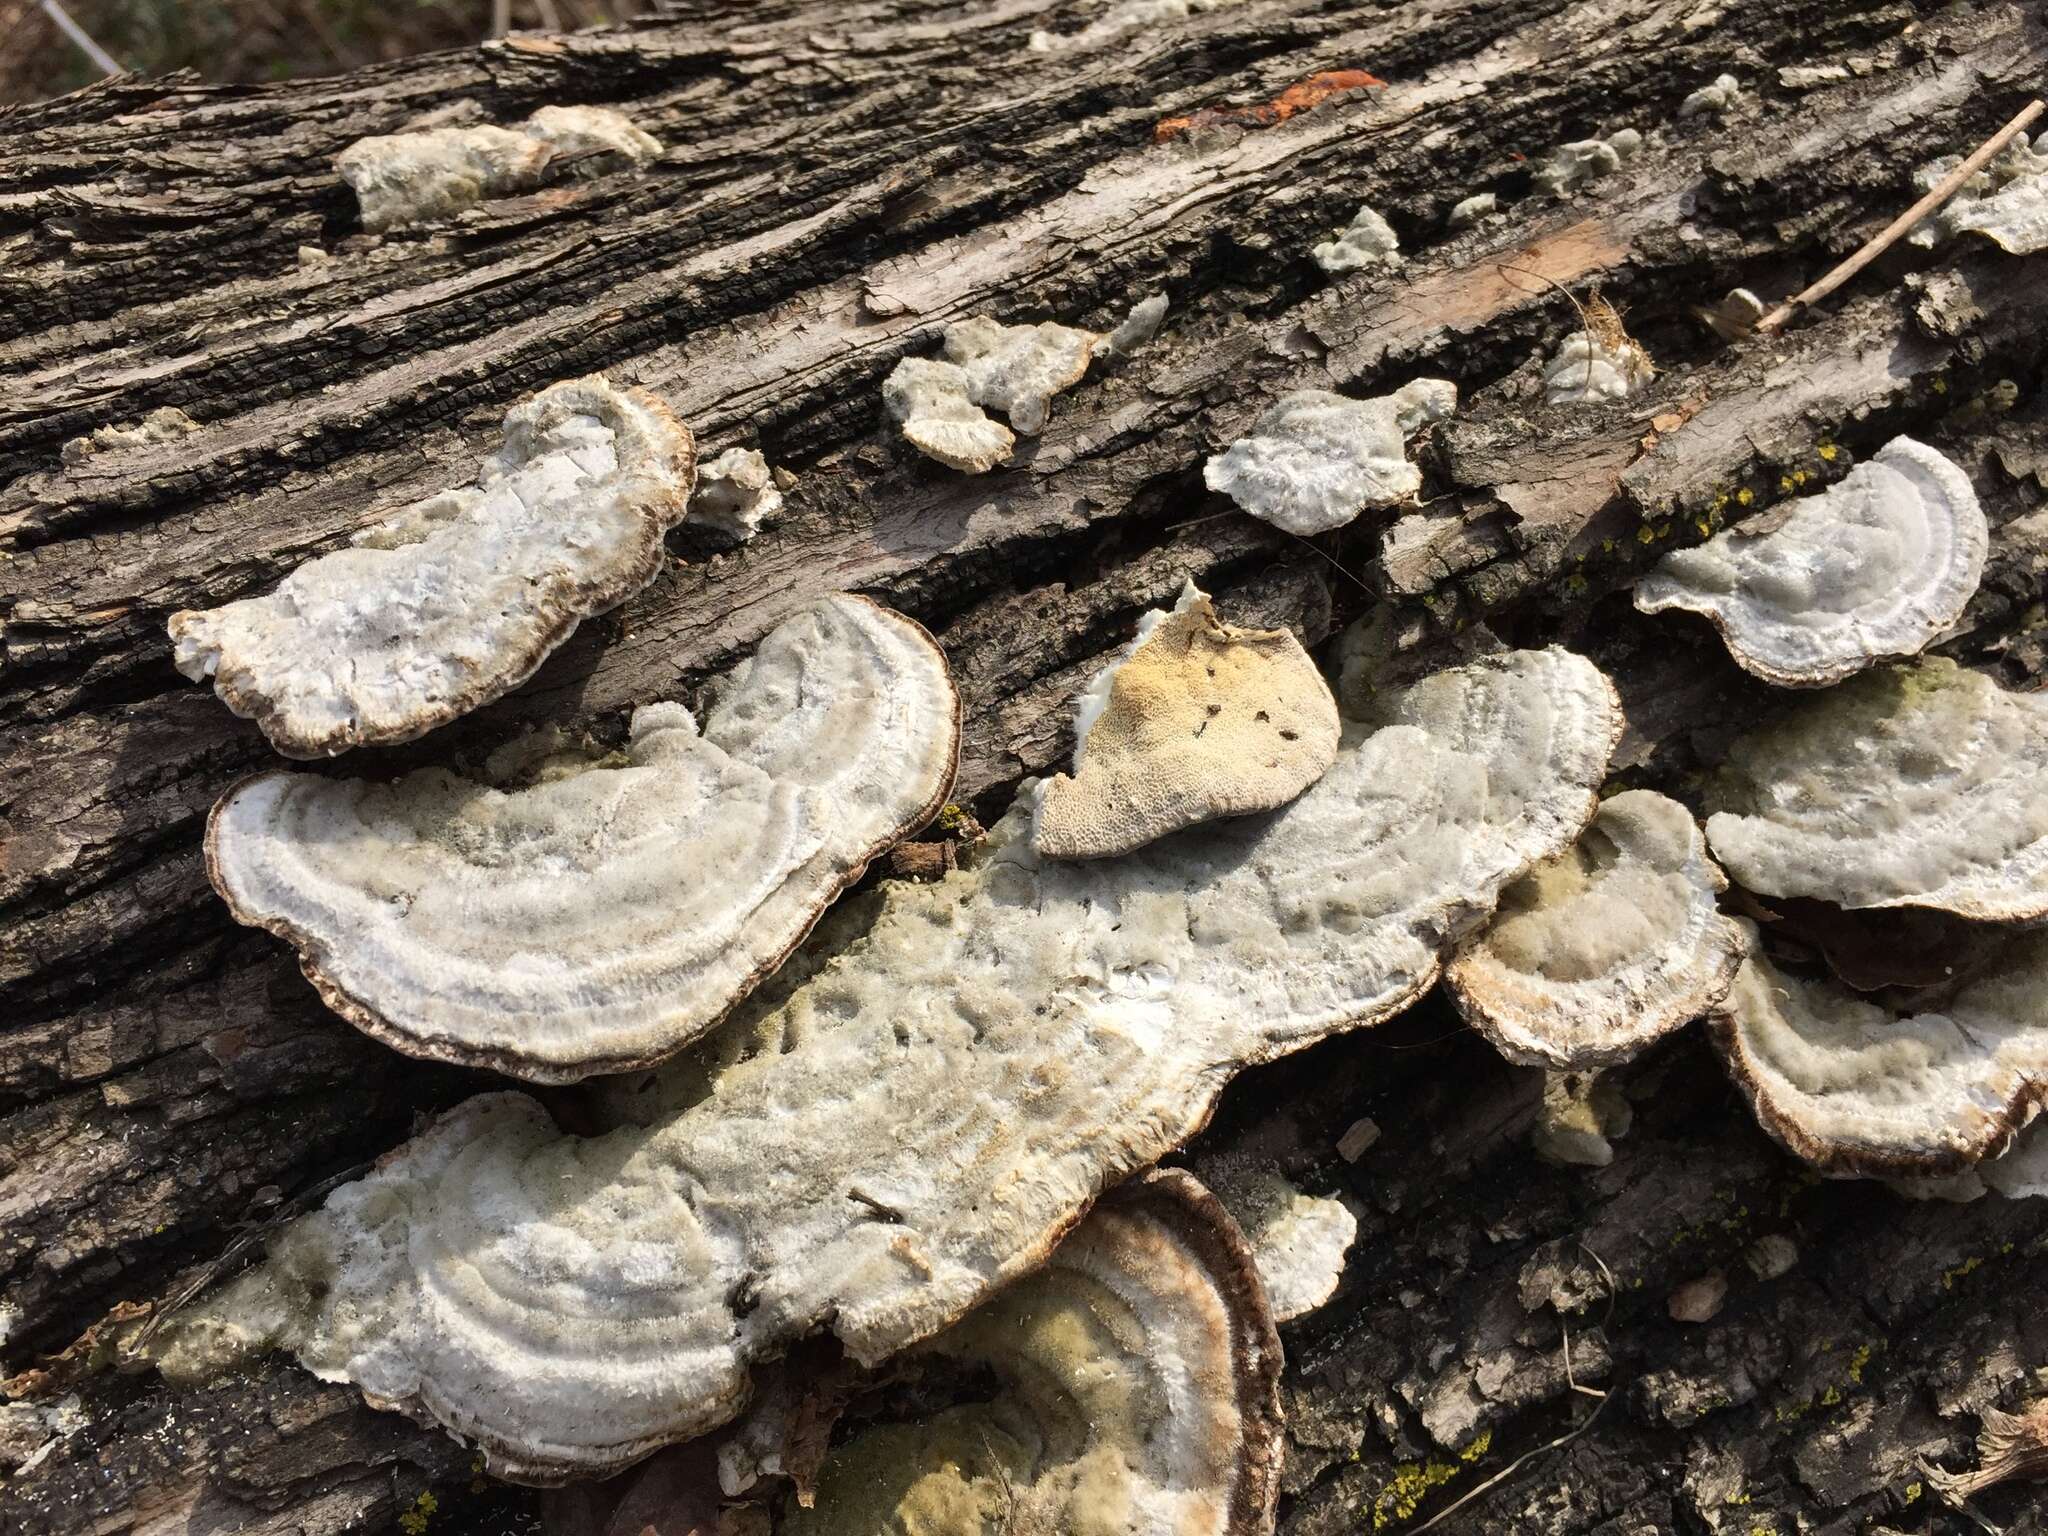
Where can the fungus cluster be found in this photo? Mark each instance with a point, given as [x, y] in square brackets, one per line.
[2006, 202]
[1196, 720]
[1367, 241]
[602, 918]
[1718, 97]
[1599, 362]
[1571, 166]
[1315, 460]
[736, 492]
[1029, 1032]
[457, 599]
[429, 174]
[1015, 369]
[1878, 564]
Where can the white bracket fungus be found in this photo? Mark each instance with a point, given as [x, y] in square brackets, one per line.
[940, 419]
[1597, 363]
[1198, 719]
[1315, 460]
[1017, 369]
[735, 493]
[2018, 1173]
[1472, 209]
[913, 1123]
[2006, 202]
[1368, 241]
[601, 919]
[435, 173]
[1718, 98]
[1570, 166]
[1138, 327]
[459, 598]
[1855, 1089]
[1593, 955]
[1136, 1388]
[1911, 785]
[1876, 565]
[1300, 1242]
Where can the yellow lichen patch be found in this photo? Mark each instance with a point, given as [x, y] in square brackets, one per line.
[1950, 1277]
[1414, 1481]
[1827, 451]
[414, 1520]
[1913, 1492]
[1745, 496]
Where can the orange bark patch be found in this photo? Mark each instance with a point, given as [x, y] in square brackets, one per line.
[1302, 96]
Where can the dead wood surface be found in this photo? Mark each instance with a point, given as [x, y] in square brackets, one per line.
[841, 182]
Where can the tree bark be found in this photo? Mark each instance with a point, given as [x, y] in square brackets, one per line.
[839, 184]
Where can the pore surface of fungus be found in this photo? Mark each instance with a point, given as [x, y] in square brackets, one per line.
[603, 918]
[1876, 565]
[1367, 241]
[457, 599]
[2006, 202]
[1911, 785]
[1593, 955]
[735, 492]
[1136, 1389]
[1017, 369]
[911, 1124]
[1315, 460]
[1856, 1089]
[1198, 719]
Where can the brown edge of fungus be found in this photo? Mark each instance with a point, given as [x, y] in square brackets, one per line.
[671, 506]
[312, 954]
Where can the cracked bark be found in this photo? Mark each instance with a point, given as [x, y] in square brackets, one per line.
[842, 183]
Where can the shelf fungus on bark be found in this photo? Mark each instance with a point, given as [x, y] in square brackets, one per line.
[1015, 369]
[1595, 954]
[1571, 166]
[735, 492]
[1601, 362]
[603, 918]
[1367, 241]
[1132, 1384]
[1196, 720]
[913, 1123]
[1855, 1088]
[1315, 460]
[1299, 1242]
[1914, 784]
[459, 598]
[2006, 202]
[1877, 565]
[429, 174]
[2018, 1173]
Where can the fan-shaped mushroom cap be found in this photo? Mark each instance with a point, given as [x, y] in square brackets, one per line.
[1316, 460]
[412, 178]
[1589, 367]
[915, 1122]
[2006, 202]
[456, 600]
[1593, 955]
[1876, 565]
[1851, 1087]
[1137, 1390]
[735, 491]
[1912, 785]
[929, 398]
[1367, 241]
[603, 918]
[1138, 327]
[1017, 369]
[573, 130]
[1198, 719]
[1298, 1241]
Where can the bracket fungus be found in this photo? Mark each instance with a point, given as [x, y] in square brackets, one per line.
[1853, 1088]
[1911, 785]
[601, 919]
[735, 492]
[915, 1121]
[459, 598]
[1298, 1241]
[2006, 202]
[1595, 954]
[1470, 210]
[1579, 1118]
[1876, 565]
[1197, 719]
[1718, 97]
[1601, 362]
[929, 399]
[592, 130]
[1367, 241]
[1017, 369]
[1570, 166]
[1315, 460]
[1138, 327]
[1136, 1388]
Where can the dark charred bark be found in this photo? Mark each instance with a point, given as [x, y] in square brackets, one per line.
[841, 183]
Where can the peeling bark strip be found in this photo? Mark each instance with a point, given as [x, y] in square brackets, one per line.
[839, 186]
